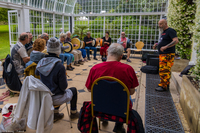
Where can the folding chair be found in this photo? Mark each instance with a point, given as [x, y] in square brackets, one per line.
[56, 106]
[110, 96]
[139, 45]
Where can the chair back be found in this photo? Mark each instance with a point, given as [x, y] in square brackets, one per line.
[30, 70]
[110, 96]
[139, 45]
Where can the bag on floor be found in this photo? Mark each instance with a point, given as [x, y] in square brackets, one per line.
[186, 70]
[124, 57]
[150, 69]
[7, 124]
[10, 75]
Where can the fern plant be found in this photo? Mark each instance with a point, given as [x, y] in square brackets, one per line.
[81, 31]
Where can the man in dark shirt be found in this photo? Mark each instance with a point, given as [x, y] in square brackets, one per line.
[88, 45]
[29, 45]
[166, 49]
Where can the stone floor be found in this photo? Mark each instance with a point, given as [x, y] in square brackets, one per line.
[77, 78]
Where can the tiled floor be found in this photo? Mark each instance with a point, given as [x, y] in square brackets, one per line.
[77, 78]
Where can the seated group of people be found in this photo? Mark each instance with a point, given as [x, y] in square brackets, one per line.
[52, 72]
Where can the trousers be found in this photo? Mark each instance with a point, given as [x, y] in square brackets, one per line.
[77, 55]
[69, 57]
[166, 61]
[88, 51]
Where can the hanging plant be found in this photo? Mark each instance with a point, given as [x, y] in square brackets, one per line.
[195, 72]
[181, 15]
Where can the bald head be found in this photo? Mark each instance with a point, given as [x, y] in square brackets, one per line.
[123, 34]
[23, 38]
[163, 24]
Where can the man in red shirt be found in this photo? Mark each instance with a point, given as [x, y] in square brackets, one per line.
[114, 68]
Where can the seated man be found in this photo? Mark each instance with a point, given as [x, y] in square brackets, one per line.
[52, 74]
[123, 41]
[88, 45]
[64, 55]
[19, 55]
[29, 45]
[114, 68]
[83, 51]
[45, 36]
[77, 53]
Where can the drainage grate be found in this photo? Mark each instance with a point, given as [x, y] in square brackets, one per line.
[160, 113]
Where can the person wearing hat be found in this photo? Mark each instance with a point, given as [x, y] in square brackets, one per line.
[52, 74]
[81, 49]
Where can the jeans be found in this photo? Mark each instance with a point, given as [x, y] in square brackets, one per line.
[83, 52]
[88, 51]
[68, 56]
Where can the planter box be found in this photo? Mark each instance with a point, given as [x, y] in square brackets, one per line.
[190, 103]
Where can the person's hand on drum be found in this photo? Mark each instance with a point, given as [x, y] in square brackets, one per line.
[75, 45]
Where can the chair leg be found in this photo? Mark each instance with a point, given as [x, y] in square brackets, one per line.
[99, 124]
[69, 115]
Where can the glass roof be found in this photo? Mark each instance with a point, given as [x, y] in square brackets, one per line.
[96, 6]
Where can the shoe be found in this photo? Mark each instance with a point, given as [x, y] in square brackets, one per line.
[161, 89]
[119, 129]
[72, 67]
[95, 58]
[128, 60]
[58, 116]
[88, 58]
[76, 64]
[85, 60]
[74, 115]
[80, 62]
[104, 59]
[69, 68]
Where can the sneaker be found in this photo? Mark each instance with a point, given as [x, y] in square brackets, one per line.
[161, 89]
[74, 115]
[69, 68]
[58, 116]
[119, 129]
[88, 58]
[95, 58]
[128, 60]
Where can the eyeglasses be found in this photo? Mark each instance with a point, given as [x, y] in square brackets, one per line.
[122, 34]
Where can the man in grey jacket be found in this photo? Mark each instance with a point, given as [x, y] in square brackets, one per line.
[123, 41]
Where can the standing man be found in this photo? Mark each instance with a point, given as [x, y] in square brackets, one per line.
[166, 49]
[19, 55]
[123, 41]
[88, 45]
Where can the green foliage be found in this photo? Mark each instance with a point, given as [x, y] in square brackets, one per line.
[4, 15]
[4, 44]
[196, 70]
[81, 31]
[181, 15]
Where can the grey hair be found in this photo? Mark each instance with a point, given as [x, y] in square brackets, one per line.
[63, 35]
[116, 50]
[43, 35]
[68, 32]
[88, 33]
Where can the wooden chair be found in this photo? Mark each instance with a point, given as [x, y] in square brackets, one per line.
[139, 45]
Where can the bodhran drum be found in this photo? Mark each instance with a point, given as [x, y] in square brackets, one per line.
[70, 47]
[82, 45]
[77, 42]
[101, 42]
[44, 51]
[94, 42]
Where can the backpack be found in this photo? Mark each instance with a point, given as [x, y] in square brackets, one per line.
[10, 75]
